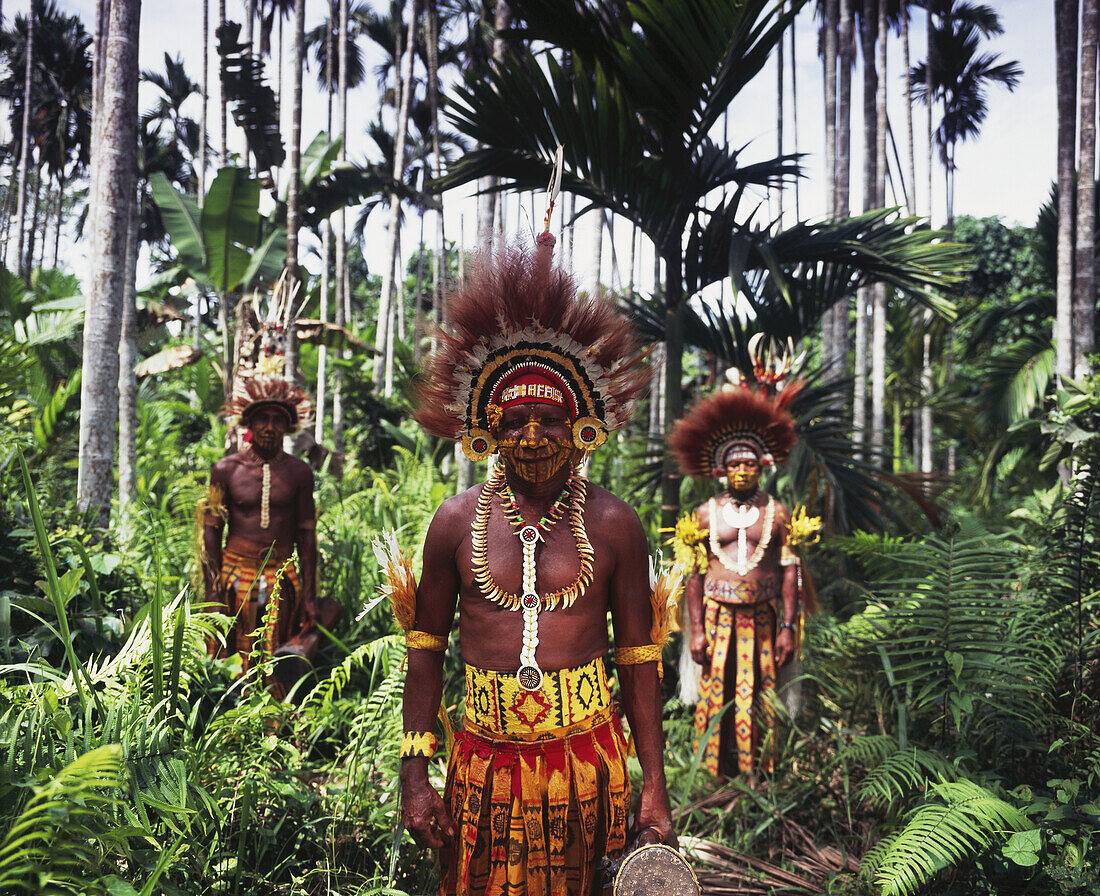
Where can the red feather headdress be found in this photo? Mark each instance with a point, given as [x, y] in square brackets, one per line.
[268, 389]
[734, 416]
[515, 316]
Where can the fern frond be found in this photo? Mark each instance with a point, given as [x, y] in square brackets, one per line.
[961, 820]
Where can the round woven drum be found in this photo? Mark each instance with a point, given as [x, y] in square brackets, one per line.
[655, 870]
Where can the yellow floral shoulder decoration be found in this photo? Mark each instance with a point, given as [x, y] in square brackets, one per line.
[689, 545]
[803, 529]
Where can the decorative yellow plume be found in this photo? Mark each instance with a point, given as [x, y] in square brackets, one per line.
[803, 529]
[666, 588]
[689, 545]
[399, 584]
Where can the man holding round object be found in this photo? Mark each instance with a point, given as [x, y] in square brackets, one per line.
[534, 559]
[742, 597]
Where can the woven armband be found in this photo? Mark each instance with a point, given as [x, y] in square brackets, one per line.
[418, 743]
[425, 641]
[631, 656]
[787, 557]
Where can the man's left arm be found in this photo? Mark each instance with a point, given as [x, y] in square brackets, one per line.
[305, 537]
[641, 687]
[788, 610]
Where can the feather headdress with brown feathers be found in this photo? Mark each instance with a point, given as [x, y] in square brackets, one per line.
[266, 390]
[734, 416]
[515, 313]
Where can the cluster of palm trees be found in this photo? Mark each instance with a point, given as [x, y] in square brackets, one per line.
[638, 96]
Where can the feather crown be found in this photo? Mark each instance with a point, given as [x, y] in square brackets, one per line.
[269, 389]
[734, 416]
[516, 314]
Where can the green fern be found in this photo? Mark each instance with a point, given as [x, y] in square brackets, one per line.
[65, 832]
[960, 820]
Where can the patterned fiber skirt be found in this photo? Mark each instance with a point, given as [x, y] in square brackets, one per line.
[535, 811]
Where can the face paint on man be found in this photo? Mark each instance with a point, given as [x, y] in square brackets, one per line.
[269, 425]
[742, 469]
[535, 441]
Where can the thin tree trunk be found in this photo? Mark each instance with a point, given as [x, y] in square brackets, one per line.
[439, 254]
[224, 104]
[61, 181]
[929, 86]
[568, 231]
[294, 186]
[829, 63]
[1084, 299]
[779, 115]
[910, 134]
[633, 260]
[926, 421]
[597, 251]
[25, 143]
[878, 320]
[383, 342]
[204, 138]
[868, 31]
[127, 359]
[326, 242]
[1065, 24]
[674, 343]
[340, 315]
[27, 264]
[117, 166]
[794, 118]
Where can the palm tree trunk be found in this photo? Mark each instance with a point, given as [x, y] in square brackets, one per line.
[294, 186]
[1084, 299]
[927, 422]
[674, 362]
[383, 343]
[1065, 24]
[910, 135]
[794, 119]
[25, 142]
[842, 201]
[829, 63]
[597, 251]
[928, 86]
[431, 10]
[116, 150]
[204, 138]
[779, 115]
[326, 242]
[341, 316]
[868, 31]
[878, 320]
[127, 358]
[61, 180]
[27, 264]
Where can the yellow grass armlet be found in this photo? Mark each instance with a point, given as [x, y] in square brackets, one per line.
[689, 545]
[425, 641]
[418, 743]
[632, 656]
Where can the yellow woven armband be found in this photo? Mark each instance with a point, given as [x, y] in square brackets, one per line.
[631, 656]
[425, 641]
[418, 743]
[787, 557]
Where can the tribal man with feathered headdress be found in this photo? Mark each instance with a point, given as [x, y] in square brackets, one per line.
[744, 572]
[265, 497]
[534, 558]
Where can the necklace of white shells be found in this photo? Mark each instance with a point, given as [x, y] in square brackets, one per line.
[741, 517]
[529, 675]
[265, 490]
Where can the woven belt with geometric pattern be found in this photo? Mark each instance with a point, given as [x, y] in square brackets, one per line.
[496, 703]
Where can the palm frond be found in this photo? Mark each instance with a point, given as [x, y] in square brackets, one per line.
[253, 101]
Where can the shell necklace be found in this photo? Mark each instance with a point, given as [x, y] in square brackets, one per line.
[265, 491]
[741, 518]
[572, 497]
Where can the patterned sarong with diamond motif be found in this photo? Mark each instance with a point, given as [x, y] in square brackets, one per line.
[749, 630]
[537, 785]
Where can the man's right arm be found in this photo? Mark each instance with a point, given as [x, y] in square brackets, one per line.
[213, 523]
[693, 594]
[423, 812]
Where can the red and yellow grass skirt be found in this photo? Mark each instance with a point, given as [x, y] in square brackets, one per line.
[536, 808]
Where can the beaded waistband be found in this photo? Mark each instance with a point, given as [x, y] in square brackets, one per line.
[496, 705]
[755, 592]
